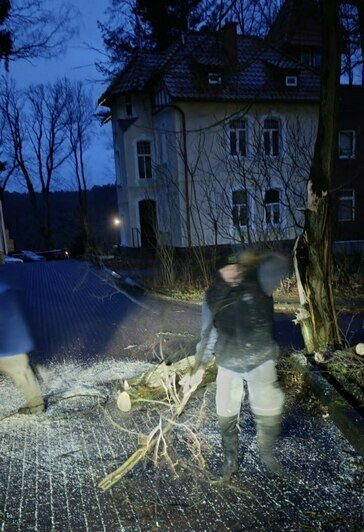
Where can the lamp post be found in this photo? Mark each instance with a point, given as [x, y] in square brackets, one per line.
[117, 224]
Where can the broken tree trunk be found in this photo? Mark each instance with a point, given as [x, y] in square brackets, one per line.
[312, 252]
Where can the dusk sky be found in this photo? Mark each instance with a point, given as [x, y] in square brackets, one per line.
[77, 63]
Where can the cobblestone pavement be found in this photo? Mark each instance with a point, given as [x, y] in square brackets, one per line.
[51, 463]
[77, 312]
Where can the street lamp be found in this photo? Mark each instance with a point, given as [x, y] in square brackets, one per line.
[117, 223]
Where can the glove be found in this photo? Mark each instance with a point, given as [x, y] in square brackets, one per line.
[190, 382]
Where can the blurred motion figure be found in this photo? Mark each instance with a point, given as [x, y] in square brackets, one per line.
[15, 344]
[237, 327]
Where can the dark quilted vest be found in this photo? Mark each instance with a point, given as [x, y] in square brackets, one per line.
[243, 317]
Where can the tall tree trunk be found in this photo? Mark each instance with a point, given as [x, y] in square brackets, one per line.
[82, 185]
[313, 253]
[77, 150]
[46, 230]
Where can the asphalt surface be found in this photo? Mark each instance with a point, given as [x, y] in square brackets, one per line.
[78, 312]
[89, 335]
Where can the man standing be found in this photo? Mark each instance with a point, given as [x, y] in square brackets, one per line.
[15, 344]
[237, 327]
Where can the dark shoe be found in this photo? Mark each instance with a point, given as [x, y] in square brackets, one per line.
[37, 409]
[228, 429]
[268, 428]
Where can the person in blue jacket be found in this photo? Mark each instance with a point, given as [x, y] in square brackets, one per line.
[15, 344]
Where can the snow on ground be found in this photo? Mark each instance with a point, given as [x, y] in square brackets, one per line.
[51, 464]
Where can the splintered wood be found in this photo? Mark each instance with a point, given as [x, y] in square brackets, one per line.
[158, 385]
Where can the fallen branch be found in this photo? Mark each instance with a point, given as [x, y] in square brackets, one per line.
[151, 386]
[156, 439]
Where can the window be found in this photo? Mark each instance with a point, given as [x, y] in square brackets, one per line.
[237, 137]
[347, 144]
[271, 137]
[214, 78]
[144, 159]
[346, 206]
[272, 207]
[161, 97]
[291, 81]
[240, 208]
[128, 106]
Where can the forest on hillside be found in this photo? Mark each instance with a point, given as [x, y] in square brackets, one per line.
[66, 222]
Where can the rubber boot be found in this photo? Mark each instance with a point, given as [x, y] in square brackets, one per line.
[228, 428]
[28, 382]
[268, 428]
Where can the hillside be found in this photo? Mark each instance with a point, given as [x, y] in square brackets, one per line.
[65, 219]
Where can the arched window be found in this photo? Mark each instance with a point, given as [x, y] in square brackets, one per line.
[237, 137]
[272, 207]
[144, 154]
[271, 137]
[346, 207]
[240, 208]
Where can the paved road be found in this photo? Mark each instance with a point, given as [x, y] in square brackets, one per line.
[77, 313]
[50, 464]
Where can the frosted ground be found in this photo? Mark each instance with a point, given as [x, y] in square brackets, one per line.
[51, 464]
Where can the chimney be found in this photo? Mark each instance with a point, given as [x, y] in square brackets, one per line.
[230, 42]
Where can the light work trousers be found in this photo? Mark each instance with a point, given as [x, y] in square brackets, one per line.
[18, 369]
[265, 396]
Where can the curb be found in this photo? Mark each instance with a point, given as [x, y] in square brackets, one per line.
[345, 417]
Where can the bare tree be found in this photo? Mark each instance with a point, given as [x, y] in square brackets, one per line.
[35, 128]
[255, 17]
[78, 122]
[34, 30]
[352, 43]
[5, 174]
[7, 159]
[247, 197]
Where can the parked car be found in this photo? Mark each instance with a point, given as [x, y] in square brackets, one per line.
[27, 256]
[54, 254]
[12, 260]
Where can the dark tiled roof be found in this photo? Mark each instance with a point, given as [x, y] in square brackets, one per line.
[256, 72]
[138, 71]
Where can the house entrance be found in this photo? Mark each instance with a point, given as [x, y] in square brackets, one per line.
[148, 223]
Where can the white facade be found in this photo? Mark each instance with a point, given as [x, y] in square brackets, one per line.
[211, 173]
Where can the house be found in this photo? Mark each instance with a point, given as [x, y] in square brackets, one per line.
[348, 180]
[213, 137]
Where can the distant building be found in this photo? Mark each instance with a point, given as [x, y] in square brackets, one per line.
[213, 137]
